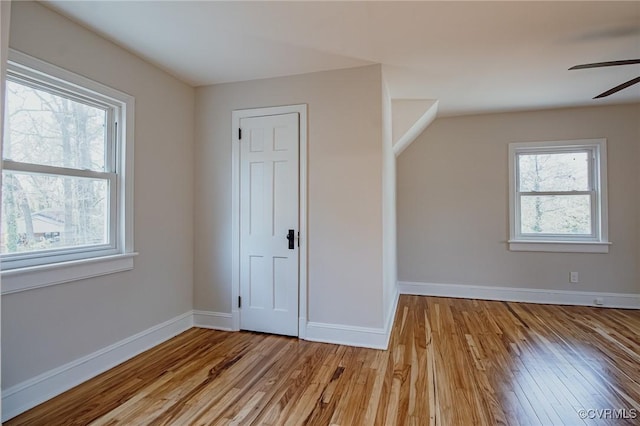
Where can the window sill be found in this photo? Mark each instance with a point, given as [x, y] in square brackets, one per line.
[23, 279]
[560, 246]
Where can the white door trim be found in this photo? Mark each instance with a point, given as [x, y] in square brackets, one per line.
[236, 116]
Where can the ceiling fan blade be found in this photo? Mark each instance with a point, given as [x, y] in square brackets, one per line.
[606, 64]
[618, 88]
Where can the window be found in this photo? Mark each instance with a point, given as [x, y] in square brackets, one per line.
[558, 199]
[66, 171]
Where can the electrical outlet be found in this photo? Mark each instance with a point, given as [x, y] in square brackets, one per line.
[573, 277]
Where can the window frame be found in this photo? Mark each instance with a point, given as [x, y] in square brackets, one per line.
[595, 242]
[21, 271]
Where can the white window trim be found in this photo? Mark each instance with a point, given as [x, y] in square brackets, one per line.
[23, 279]
[121, 257]
[598, 242]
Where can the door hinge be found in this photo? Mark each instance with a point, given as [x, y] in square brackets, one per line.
[239, 133]
[239, 302]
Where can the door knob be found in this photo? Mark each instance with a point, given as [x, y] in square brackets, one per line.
[290, 237]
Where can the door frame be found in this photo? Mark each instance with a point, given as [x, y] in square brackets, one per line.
[236, 116]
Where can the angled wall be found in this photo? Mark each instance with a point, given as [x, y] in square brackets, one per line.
[410, 117]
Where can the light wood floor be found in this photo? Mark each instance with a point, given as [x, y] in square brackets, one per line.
[450, 362]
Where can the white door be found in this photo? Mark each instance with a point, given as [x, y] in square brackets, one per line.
[269, 219]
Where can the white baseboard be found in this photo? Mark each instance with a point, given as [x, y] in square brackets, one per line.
[527, 295]
[213, 320]
[302, 328]
[365, 337]
[235, 319]
[391, 315]
[26, 395]
[23, 396]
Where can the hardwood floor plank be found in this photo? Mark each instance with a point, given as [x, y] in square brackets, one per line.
[450, 362]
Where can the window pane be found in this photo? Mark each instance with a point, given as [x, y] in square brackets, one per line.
[41, 212]
[556, 214]
[49, 129]
[566, 171]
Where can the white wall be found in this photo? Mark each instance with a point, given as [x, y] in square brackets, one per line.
[453, 202]
[344, 190]
[45, 328]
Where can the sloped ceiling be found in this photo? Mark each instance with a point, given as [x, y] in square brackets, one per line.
[471, 56]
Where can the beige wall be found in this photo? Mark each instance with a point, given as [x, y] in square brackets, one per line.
[389, 261]
[45, 328]
[344, 190]
[5, 19]
[453, 195]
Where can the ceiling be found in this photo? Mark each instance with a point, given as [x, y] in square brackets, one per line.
[471, 56]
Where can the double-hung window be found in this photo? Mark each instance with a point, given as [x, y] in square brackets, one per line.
[66, 174]
[558, 196]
